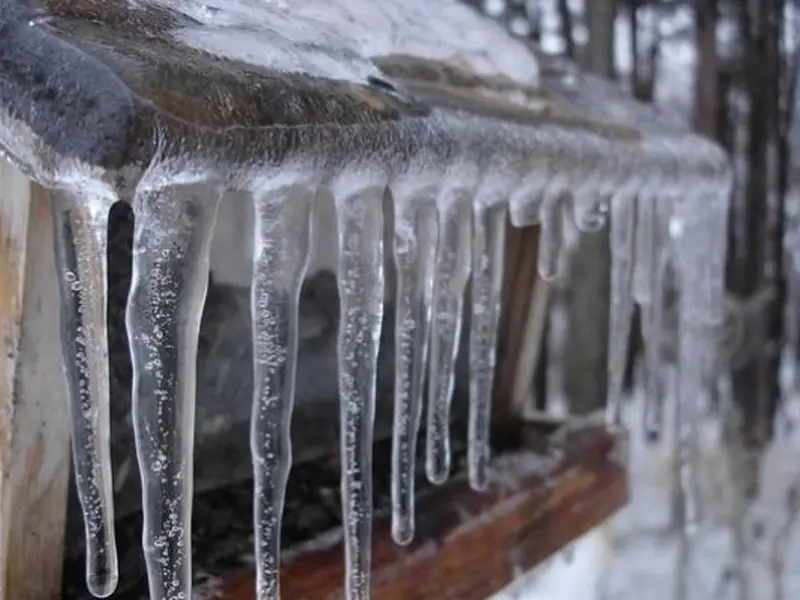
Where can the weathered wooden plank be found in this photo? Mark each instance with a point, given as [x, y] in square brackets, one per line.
[469, 545]
[34, 454]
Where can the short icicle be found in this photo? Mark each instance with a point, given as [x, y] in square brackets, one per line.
[453, 264]
[488, 251]
[172, 238]
[280, 257]
[81, 233]
[551, 234]
[646, 254]
[415, 233]
[359, 216]
[623, 220]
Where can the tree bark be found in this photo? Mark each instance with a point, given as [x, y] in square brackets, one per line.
[585, 359]
[565, 18]
[706, 81]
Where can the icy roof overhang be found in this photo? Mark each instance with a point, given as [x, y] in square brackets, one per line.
[257, 84]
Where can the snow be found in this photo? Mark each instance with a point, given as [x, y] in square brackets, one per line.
[639, 549]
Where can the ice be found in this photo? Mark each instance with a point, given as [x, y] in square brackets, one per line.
[589, 210]
[652, 332]
[280, 256]
[332, 39]
[699, 231]
[623, 230]
[174, 224]
[321, 63]
[551, 235]
[646, 253]
[452, 269]
[80, 225]
[488, 250]
[415, 239]
[359, 215]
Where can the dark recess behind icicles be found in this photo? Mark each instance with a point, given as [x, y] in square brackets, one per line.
[224, 381]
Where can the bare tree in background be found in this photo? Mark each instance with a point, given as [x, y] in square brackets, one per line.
[588, 288]
[567, 33]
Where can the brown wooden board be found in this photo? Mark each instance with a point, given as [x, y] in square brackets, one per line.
[34, 454]
[469, 544]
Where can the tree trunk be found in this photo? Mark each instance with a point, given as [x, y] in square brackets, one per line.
[565, 18]
[755, 259]
[586, 356]
[600, 17]
[706, 81]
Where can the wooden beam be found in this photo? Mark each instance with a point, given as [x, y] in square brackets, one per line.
[34, 452]
[470, 545]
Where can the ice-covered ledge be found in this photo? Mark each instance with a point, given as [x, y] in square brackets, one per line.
[152, 103]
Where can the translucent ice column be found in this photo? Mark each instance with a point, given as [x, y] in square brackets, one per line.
[359, 217]
[488, 251]
[453, 264]
[698, 230]
[415, 233]
[172, 236]
[81, 232]
[280, 257]
[623, 215]
[551, 234]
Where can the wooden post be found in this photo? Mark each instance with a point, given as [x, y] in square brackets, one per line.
[34, 452]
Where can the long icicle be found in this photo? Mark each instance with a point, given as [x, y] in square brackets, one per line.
[359, 218]
[488, 250]
[280, 257]
[415, 233]
[453, 264]
[699, 239]
[623, 220]
[81, 237]
[653, 333]
[172, 239]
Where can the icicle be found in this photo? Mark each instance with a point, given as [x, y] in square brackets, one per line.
[589, 210]
[172, 238]
[699, 235]
[526, 201]
[622, 252]
[652, 333]
[690, 384]
[280, 256]
[415, 233]
[359, 216]
[453, 262]
[649, 277]
[551, 235]
[488, 249]
[81, 233]
[646, 248]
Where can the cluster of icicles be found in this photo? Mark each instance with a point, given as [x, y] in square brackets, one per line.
[449, 229]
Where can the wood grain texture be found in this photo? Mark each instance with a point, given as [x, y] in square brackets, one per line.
[469, 545]
[34, 454]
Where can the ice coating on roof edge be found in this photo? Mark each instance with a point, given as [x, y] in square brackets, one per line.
[336, 39]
